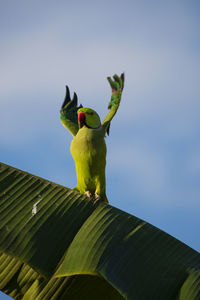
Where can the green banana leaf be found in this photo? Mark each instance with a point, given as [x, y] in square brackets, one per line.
[56, 244]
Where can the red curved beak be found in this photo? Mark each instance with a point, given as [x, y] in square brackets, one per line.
[81, 118]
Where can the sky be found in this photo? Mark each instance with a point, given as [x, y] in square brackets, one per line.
[153, 158]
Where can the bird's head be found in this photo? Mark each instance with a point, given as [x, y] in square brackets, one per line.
[88, 117]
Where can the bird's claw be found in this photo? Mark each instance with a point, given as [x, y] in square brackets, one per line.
[88, 194]
[97, 199]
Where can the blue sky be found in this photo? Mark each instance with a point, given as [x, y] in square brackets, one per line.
[153, 161]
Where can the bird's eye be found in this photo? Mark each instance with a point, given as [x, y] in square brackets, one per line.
[90, 113]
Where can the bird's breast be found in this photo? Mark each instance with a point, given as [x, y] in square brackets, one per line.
[88, 143]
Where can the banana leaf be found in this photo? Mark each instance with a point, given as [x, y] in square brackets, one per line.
[57, 244]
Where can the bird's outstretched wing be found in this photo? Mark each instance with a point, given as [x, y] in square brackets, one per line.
[68, 112]
[117, 85]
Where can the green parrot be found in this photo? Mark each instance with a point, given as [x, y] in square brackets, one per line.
[88, 147]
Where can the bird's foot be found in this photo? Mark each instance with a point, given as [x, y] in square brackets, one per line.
[88, 194]
[97, 199]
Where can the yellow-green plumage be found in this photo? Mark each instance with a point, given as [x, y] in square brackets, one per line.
[88, 147]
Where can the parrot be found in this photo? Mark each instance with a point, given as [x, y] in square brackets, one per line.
[88, 147]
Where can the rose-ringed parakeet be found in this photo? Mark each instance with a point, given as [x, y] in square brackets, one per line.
[88, 146]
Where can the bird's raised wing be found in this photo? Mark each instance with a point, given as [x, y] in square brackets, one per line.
[117, 85]
[68, 112]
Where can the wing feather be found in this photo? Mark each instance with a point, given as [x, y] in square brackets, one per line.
[117, 86]
[68, 112]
